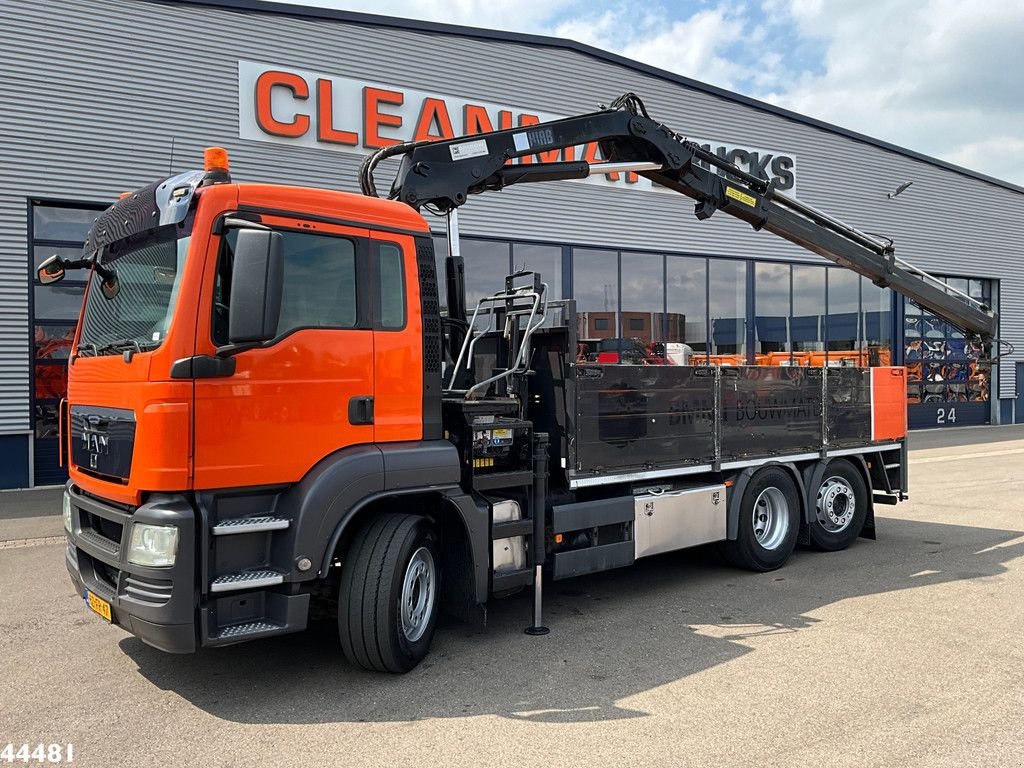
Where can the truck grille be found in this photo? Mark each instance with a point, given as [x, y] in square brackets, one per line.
[101, 531]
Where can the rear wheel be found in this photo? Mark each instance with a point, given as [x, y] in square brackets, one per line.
[840, 507]
[388, 600]
[769, 521]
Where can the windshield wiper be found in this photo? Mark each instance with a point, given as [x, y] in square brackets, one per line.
[87, 346]
[125, 345]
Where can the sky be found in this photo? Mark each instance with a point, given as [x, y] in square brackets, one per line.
[941, 77]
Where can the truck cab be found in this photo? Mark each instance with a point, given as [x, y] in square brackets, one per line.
[251, 368]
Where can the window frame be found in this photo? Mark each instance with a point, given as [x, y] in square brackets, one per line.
[366, 280]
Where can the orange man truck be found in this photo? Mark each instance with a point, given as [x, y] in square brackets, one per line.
[267, 411]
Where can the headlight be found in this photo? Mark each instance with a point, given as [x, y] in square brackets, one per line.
[153, 545]
[67, 512]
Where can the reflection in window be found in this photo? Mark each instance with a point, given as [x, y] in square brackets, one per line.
[546, 259]
[440, 255]
[319, 282]
[58, 301]
[69, 224]
[46, 425]
[876, 322]
[643, 299]
[807, 325]
[487, 266]
[52, 341]
[65, 229]
[843, 321]
[728, 289]
[942, 365]
[51, 381]
[686, 287]
[392, 287]
[771, 301]
[595, 280]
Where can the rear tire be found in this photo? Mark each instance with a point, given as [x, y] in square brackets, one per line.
[389, 594]
[769, 522]
[840, 507]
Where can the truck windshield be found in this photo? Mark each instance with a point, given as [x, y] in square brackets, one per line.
[148, 273]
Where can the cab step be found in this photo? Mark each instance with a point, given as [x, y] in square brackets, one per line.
[250, 525]
[248, 631]
[230, 582]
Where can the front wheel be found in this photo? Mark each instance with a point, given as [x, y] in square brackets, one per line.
[769, 522]
[388, 600]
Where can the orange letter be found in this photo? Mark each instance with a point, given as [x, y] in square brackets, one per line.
[265, 119]
[475, 120]
[373, 118]
[434, 109]
[325, 130]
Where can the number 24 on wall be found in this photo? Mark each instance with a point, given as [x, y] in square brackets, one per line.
[945, 415]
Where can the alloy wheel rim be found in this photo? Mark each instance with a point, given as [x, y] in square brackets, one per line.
[418, 594]
[771, 518]
[835, 505]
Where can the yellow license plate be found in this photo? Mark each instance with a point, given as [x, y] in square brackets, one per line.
[99, 605]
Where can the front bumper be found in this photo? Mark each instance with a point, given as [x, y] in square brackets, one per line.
[157, 605]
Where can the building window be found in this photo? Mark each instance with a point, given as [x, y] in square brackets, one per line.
[772, 319]
[488, 263]
[842, 326]
[686, 302]
[545, 259]
[56, 229]
[595, 280]
[643, 297]
[945, 370]
[807, 323]
[876, 322]
[727, 286]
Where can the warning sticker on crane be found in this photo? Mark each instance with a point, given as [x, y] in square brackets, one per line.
[468, 149]
[741, 197]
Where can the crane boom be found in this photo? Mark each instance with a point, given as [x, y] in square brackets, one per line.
[441, 175]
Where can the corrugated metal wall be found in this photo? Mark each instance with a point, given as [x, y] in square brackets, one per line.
[94, 92]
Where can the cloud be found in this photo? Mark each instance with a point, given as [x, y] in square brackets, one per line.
[697, 46]
[938, 76]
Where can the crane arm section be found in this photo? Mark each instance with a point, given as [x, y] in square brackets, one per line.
[441, 175]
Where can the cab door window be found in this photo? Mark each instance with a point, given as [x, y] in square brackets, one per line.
[319, 287]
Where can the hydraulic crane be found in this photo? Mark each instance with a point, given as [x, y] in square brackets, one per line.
[441, 175]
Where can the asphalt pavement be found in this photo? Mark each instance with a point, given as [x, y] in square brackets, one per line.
[903, 651]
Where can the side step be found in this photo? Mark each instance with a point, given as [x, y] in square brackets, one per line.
[250, 525]
[229, 619]
[230, 582]
[249, 631]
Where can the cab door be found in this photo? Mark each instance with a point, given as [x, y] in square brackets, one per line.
[401, 388]
[309, 391]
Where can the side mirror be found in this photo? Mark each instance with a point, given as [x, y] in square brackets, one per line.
[256, 286]
[51, 270]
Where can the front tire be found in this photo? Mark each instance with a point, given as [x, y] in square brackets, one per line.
[389, 594]
[840, 507]
[769, 522]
